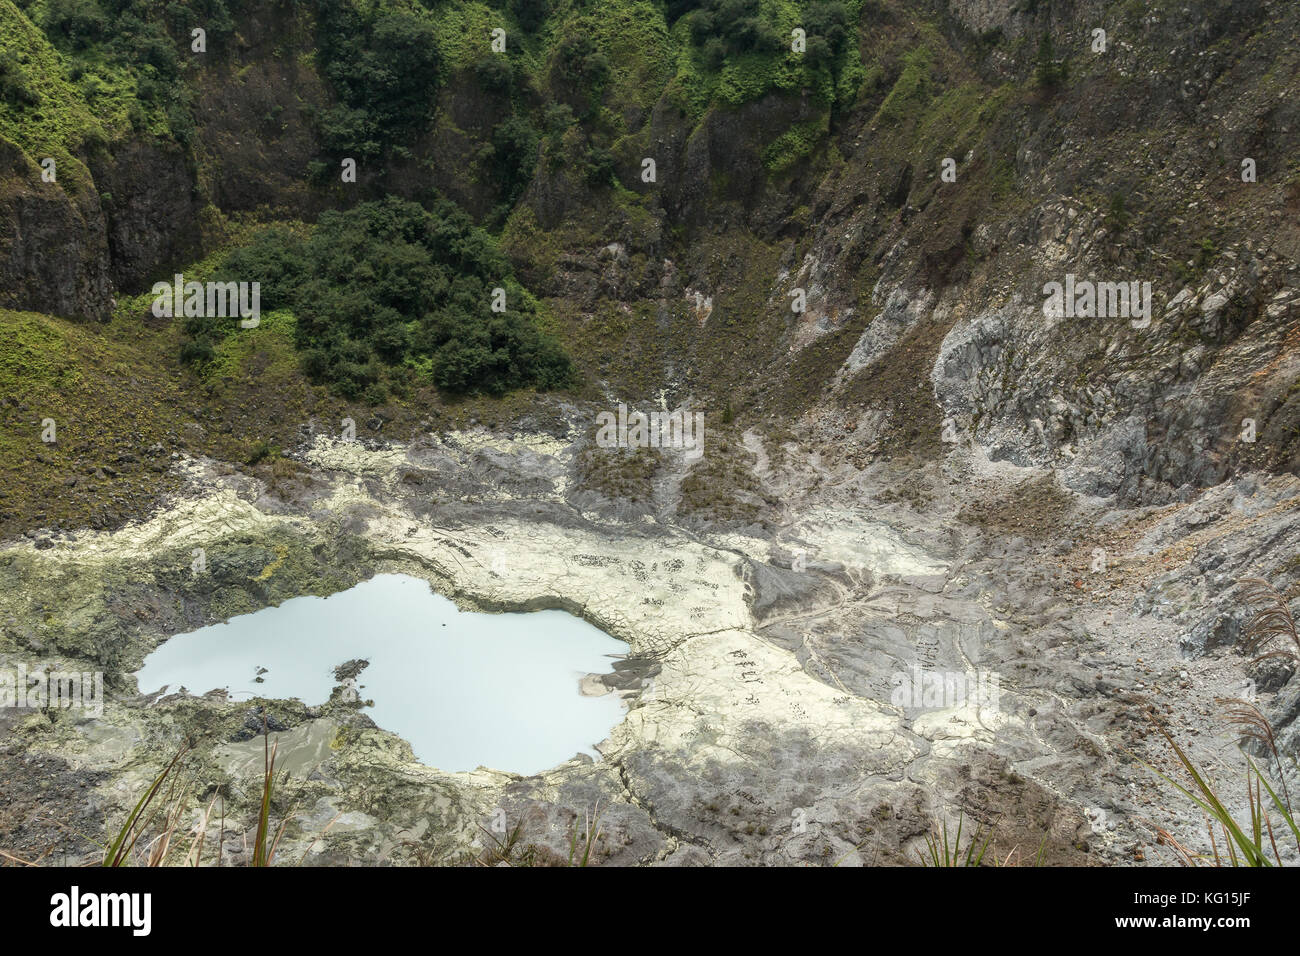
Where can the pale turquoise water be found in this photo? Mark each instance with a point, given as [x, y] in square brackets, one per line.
[493, 690]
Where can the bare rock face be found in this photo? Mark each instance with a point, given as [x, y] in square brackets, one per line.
[54, 254]
[715, 172]
[65, 246]
[1149, 420]
[983, 15]
[153, 217]
[253, 133]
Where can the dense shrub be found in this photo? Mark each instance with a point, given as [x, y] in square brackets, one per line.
[581, 64]
[277, 259]
[384, 71]
[828, 28]
[674, 10]
[514, 155]
[15, 83]
[495, 73]
[389, 285]
[79, 22]
[738, 24]
[597, 166]
[1048, 70]
[140, 40]
[530, 14]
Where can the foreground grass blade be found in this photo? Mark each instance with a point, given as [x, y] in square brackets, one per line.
[120, 848]
[1252, 852]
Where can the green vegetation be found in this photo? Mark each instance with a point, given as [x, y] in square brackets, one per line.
[77, 72]
[620, 474]
[121, 61]
[514, 156]
[34, 355]
[1049, 71]
[1117, 214]
[41, 110]
[118, 853]
[740, 50]
[1243, 843]
[793, 145]
[163, 812]
[942, 853]
[385, 70]
[912, 89]
[387, 293]
[721, 486]
[107, 405]
[1247, 842]
[411, 88]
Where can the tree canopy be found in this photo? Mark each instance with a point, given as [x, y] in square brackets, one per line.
[389, 289]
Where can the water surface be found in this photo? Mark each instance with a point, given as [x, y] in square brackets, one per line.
[466, 689]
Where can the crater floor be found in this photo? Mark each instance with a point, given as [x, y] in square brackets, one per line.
[775, 681]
